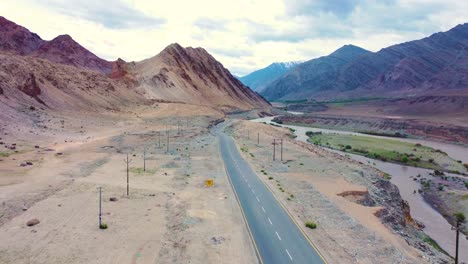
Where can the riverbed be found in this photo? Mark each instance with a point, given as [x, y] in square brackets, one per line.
[435, 224]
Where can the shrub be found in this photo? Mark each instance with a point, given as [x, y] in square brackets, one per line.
[302, 164]
[431, 160]
[310, 224]
[348, 147]
[466, 165]
[103, 226]
[270, 178]
[441, 188]
[460, 217]
[418, 145]
[404, 159]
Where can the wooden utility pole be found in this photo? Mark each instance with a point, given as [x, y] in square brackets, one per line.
[167, 141]
[460, 220]
[127, 162]
[100, 206]
[248, 133]
[274, 149]
[258, 138]
[144, 159]
[281, 149]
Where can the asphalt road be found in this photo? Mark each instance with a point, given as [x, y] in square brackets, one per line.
[276, 236]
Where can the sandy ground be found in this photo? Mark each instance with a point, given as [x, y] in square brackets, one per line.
[347, 232]
[169, 216]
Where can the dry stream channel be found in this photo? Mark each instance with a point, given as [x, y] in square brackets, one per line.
[435, 224]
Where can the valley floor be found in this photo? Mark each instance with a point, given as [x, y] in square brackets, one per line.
[170, 215]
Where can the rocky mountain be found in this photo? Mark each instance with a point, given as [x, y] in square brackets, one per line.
[317, 74]
[63, 49]
[17, 39]
[39, 73]
[436, 65]
[192, 75]
[260, 79]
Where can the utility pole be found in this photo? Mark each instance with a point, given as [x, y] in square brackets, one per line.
[258, 138]
[281, 149]
[167, 142]
[127, 161]
[274, 149]
[460, 220]
[248, 133]
[144, 158]
[100, 206]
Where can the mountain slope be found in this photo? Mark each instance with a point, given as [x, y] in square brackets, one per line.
[63, 49]
[39, 73]
[260, 79]
[431, 66]
[313, 75]
[192, 75]
[16, 39]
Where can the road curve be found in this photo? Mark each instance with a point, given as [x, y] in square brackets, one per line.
[276, 237]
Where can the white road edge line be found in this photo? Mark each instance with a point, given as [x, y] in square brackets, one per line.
[263, 209]
[270, 222]
[278, 235]
[289, 254]
[257, 198]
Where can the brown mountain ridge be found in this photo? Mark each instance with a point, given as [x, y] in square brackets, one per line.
[44, 73]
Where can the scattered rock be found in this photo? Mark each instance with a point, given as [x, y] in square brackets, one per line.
[217, 240]
[113, 199]
[33, 222]
[59, 153]
[36, 146]
[29, 163]
[23, 164]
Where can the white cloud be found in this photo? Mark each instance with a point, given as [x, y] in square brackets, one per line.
[244, 35]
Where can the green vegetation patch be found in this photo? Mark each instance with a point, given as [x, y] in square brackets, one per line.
[140, 171]
[390, 150]
[310, 224]
[4, 154]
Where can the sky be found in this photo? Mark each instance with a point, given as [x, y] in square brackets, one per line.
[244, 35]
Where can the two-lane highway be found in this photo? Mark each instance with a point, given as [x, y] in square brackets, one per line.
[276, 236]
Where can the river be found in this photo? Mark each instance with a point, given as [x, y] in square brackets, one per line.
[435, 224]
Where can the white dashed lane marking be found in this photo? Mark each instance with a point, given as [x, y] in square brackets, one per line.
[278, 235]
[263, 209]
[289, 254]
[271, 222]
